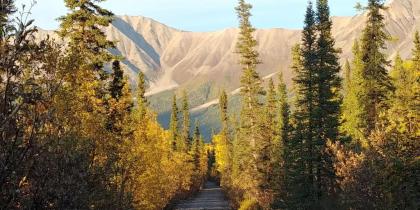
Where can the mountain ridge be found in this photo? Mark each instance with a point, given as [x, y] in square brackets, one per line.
[173, 58]
[204, 62]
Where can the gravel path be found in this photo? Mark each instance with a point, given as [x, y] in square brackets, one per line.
[210, 197]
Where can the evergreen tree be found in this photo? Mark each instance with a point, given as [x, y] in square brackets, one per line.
[306, 81]
[283, 108]
[347, 77]
[416, 52]
[117, 83]
[199, 157]
[223, 108]
[185, 135]
[352, 108]
[271, 112]
[82, 27]
[116, 91]
[121, 104]
[84, 70]
[173, 126]
[327, 112]
[84, 94]
[142, 101]
[376, 82]
[403, 112]
[196, 147]
[251, 127]
[222, 144]
[318, 102]
[265, 147]
[279, 145]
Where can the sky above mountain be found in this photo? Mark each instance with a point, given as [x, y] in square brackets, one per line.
[197, 15]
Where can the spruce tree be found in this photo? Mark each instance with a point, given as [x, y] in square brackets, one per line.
[352, 122]
[84, 74]
[222, 143]
[271, 112]
[117, 83]
[223, 108]
[306, 89]
[82, 27]
[115, 89]
[416, 52]
[185, 135]
[327, 112]
[347, 77]
[84, 94]
[251, 121]
[279, 146]
[283, 107]
[196, 147]
[142, 101]
[376, 82]
[404, 103]
[265, 146]
[173, 126]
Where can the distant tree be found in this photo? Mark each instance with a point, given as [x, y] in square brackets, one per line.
[117, 80]
[185, 135]
[347, 77]
[416, 51]
[142, 101]
[222, 143]
[173, 126]
[271, 113]
[223, 102]
[283, 129]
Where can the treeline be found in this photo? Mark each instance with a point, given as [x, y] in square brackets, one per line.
[71, 135]
[338, 143]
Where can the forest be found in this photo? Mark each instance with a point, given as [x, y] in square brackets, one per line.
[75, 134]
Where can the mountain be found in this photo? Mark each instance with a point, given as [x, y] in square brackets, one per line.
[204, 62]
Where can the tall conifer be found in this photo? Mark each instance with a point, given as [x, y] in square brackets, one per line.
[117, 82]
[142, 101]
[185, 135]
[173, 126]
[376, 82]
[251, 127]
[327, 113]
[306, 81]
[222, 143]
[279, 145]
[223, 108]
[416, 52]
[347, 77]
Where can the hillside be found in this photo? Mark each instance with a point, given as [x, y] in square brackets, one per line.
[202, 63]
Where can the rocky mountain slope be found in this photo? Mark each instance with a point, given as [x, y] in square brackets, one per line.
[204, 62]
[174, 58]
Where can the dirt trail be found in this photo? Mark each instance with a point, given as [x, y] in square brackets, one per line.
[210, 197]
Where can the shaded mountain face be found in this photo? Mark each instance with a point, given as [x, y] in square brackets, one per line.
[203, 63]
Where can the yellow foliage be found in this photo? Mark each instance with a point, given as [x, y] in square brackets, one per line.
[221, 149]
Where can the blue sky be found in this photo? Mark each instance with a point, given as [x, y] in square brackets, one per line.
[198, 15]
